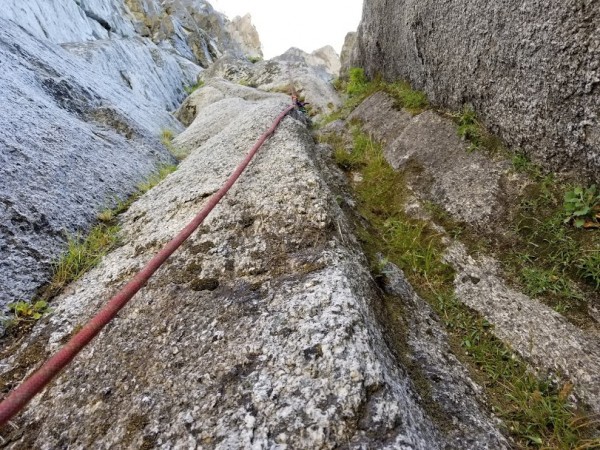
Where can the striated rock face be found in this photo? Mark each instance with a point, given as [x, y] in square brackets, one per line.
[89, 85]
[244, 32]
[348, 50]
[192, 28]
[260, 332]
[77, 138]
[530, 70]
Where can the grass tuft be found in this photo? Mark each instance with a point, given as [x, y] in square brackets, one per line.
[166, 138]
[406, 97]
[191, 89]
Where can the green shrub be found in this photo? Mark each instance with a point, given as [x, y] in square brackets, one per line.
[582, 207]
[358, 82]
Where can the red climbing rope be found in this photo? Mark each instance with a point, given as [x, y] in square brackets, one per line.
[40, 379]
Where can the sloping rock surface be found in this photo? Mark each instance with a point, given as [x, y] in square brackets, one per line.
[84, 123]
[258, 333]
[75, 139]
[468, 185]
[191, 28]
[531, 70]
[346, 57]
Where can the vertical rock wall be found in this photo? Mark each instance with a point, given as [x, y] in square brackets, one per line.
[530, 68]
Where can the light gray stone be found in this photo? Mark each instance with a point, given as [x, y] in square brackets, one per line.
[451, 389]
[348, 50]
[468, 185]
[244, 33]
[531, 70]
[259, 332]
[532, 329]
[294, 67]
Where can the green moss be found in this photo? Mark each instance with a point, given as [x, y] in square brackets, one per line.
[536, 412]
[191, 89]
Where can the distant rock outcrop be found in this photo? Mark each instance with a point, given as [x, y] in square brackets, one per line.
[348, 50]
[244, 33]
[310, 75]
[260, 332]
[530, 70]
[325, 59]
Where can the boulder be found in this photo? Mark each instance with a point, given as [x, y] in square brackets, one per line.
[529, 70]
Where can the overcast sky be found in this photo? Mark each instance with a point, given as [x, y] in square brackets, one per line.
[306, 24]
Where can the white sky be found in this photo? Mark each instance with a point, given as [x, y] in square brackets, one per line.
[306, 24]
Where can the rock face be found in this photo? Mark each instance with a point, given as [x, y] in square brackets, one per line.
[310, 75]
[260, 332]
[88, 85]
[348, 50]
[469, 186]
[324, 59]
[244, 32]
[536, 82]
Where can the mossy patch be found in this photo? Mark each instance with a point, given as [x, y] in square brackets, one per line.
[536, 411]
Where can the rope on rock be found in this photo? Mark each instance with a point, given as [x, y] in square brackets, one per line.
[19, 397]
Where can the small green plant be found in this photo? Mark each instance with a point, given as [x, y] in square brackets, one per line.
[191, 89]
[469, 128]
[589, 267]
[582, 207]
[339, 85]
[521, 163]
[166, 135]
[247, 83]
[83, 253]
[539, 282]
[358, 82]
[254, 59]
[406, 97]
[28, 312]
